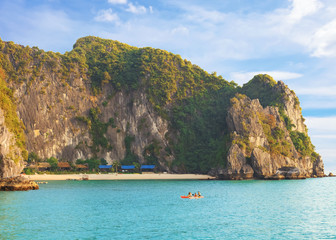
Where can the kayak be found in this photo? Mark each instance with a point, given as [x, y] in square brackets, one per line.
[192, 197]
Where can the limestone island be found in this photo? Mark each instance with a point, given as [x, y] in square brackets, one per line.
[108, 103]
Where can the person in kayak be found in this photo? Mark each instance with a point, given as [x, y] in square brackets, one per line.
[199, 194]
[189, 194]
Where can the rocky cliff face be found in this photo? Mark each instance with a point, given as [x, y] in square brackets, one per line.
[8, 152]
[55, 102]
[53, 128]
[291, 107]
[262, 146]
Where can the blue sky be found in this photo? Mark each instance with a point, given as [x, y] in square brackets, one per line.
[292, 40]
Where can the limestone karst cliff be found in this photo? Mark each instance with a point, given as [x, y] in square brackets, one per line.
[11, 161]
[262, 146]
[12, 140]
[105, 99]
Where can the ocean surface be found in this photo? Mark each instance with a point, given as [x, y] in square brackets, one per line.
[252, 209]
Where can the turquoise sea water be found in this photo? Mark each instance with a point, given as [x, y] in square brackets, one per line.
[289, 209]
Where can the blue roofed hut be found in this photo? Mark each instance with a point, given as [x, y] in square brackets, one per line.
[147, 168]
[105, 168]
[127, 168]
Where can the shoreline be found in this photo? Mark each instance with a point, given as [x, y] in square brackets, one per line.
[119, 176]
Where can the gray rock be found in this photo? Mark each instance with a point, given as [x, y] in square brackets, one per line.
[237, 166]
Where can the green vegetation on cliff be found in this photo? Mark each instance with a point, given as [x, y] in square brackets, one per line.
[262, 87]
[12, 122]
[166, 76]
[203, 140]
[97, 129]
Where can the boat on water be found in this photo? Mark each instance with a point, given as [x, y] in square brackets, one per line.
[192, 197]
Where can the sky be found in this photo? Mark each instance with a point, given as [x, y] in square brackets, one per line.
[292, 40]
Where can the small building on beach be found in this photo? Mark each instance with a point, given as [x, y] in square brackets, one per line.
[81, 167]
[147, 168]
[127, 168]
[65, 166]
[43, 166]
[105, 168]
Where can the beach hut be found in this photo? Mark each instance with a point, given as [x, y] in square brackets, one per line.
[105, 168]
[147, 168]
[64, 166]
[33, 166]
[81, 167]
[43, 166]
[127, 168]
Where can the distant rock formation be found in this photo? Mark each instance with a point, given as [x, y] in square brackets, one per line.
[262, 146]
[17, 184]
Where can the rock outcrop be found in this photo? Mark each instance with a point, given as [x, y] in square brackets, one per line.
[237, 166]
[17, 184]
[291, 107]
[262, 146]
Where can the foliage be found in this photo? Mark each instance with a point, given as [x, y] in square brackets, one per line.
[303, 144]
[12, 121]
[262, 87]
[92, 163]
[167, 77]
[53, 163]
[98, 129]
[130, 157]
[115, 166]
[103, 161]
[137, 166]
[275, 135]
[202, 141]
[33, 158]
[151, 153]
[286, 119]
[29, 171]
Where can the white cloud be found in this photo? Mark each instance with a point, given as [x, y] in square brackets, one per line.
[322, 124]
[329, 159]
[302, 8]
[107, 16]
[323, 42]
[323, 103]
[117, 1]
[136, 9]
[180, 31]
[56, 20]
[329, 91]
[329, 136]
[199, 14]
[243, 77]
[322, 131]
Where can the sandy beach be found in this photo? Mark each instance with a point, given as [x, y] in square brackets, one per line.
[119, 176]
